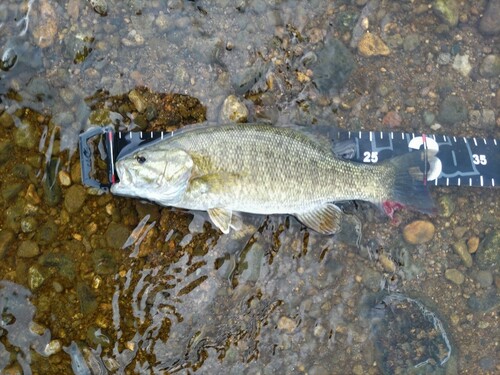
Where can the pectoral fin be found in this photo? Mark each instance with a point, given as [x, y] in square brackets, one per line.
[221, 218]
[325, 219]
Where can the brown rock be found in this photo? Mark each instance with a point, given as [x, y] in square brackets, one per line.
[418, 232]
[44, 30]
[392, 119]
[461, 249]
[473, 244]
[372, 45]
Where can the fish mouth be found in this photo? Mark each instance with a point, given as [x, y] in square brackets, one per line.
[124, 178]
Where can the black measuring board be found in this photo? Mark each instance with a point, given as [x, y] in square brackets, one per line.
[459, 161]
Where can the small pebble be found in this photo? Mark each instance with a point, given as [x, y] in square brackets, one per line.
[28, 249]
[461, 249]
[392, 119]
[418, 232]
[447, 10]
[472, 244]
[64, 178]
[233, 110]
[484, 278]
[490, 66]
[455, 276]
[462, 65]
[74, 198]
[287, 324]
[444, 58]
[371, 45]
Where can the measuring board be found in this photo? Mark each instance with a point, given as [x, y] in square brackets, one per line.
[459, 161]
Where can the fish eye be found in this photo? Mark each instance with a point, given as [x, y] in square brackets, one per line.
[140, 159]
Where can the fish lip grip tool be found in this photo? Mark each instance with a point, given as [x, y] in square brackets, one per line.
[459, 161]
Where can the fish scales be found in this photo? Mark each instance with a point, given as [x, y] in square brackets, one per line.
[274, 170]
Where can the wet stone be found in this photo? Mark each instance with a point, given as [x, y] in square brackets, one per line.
[6, 149]
[489, 24]
[475, 118]
[87, 298]
[333, 66]
[488, 364]
[372, 45]
[99, 6]
[64, 178]
[444, 58]
[44, 30]
[418, 232]
[10, 191]
[6, 239]
[35, 277]
[488, 253]
[28, 249]
[488, 301]
[233, 110]
[138, 100]
[446, 206]
[29, 224]
[74, 198]
[46, 233]
[26, 137]
[490, 66]
[392, 119]
[462, 65]
[472, 244]
[447, 10]
[452, 110]
[51, 188]
[460, 248]
[61, 262]
[411, 42]
[455, 276]
[488, 118]
[116, 235]
[484, 278]
[287, 324]
[104, 262]
[6, 120]
[97, 337]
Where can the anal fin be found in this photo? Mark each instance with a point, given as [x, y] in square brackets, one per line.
[324, 219]
[221, 218]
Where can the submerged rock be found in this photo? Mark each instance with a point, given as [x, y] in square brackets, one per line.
[74, 198]
[52, 190]
[233, 110]
[418, 232]
[488, 254]
[372, 45]
[490, 67]
[455, 276]
[44, 29]
[28, 249]
[333, 66]
[489, 24]
[447, 10]
[6, 239]
[452, 110]
[87, 298]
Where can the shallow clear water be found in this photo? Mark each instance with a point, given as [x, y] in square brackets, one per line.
[94, 283]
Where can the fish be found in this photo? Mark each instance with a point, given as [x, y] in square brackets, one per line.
[265, 169]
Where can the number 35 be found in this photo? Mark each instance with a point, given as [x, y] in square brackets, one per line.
[479, 159]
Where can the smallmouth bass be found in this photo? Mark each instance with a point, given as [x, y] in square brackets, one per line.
[263, 169]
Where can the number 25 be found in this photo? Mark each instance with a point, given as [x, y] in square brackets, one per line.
[370, 157]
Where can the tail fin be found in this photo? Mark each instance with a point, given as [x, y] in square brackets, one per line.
[410, 183]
